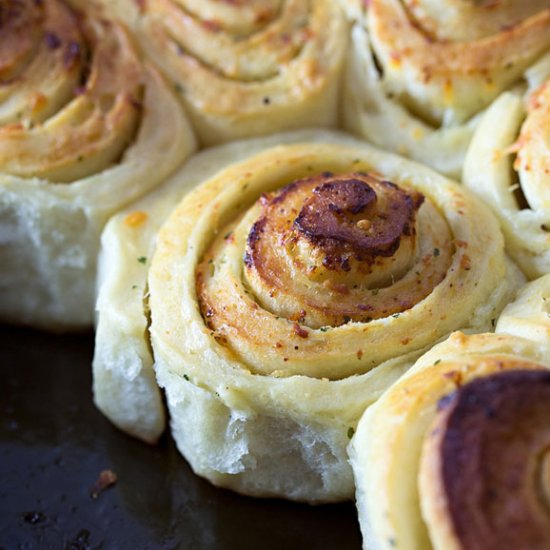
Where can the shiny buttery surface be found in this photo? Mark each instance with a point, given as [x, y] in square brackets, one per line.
[54, 444]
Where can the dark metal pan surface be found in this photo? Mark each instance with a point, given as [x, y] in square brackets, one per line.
[54, 444]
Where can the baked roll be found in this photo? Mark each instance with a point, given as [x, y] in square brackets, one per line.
[246, 68]
[419, 72]
[455, 454]
[85, 128]
[508, 165]
[124, 384]
[287, 292]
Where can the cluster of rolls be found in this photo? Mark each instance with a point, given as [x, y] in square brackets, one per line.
[277, 287]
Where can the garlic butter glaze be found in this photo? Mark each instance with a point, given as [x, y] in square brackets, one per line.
[246, 68]
[423, 70]
[83, 123]
[289, 290]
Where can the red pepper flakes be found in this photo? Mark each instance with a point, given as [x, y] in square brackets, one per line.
[455, 376]
[299, 331]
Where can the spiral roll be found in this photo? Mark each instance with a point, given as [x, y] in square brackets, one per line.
[508, 165]
[420, 72]
[289, 290]
[455, 454]
[83, 125]
[246, 68]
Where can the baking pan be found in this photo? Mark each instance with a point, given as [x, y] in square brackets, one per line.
[54, 444]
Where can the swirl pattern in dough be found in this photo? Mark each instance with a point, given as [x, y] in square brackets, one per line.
[78, 109]
[508, 165]
[288, 290]
[250, 67]
[455, 454]
[420, 72]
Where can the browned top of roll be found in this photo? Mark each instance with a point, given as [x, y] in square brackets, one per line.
[494, 443]
[336, 218]
[345, 232]
[340, 218]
